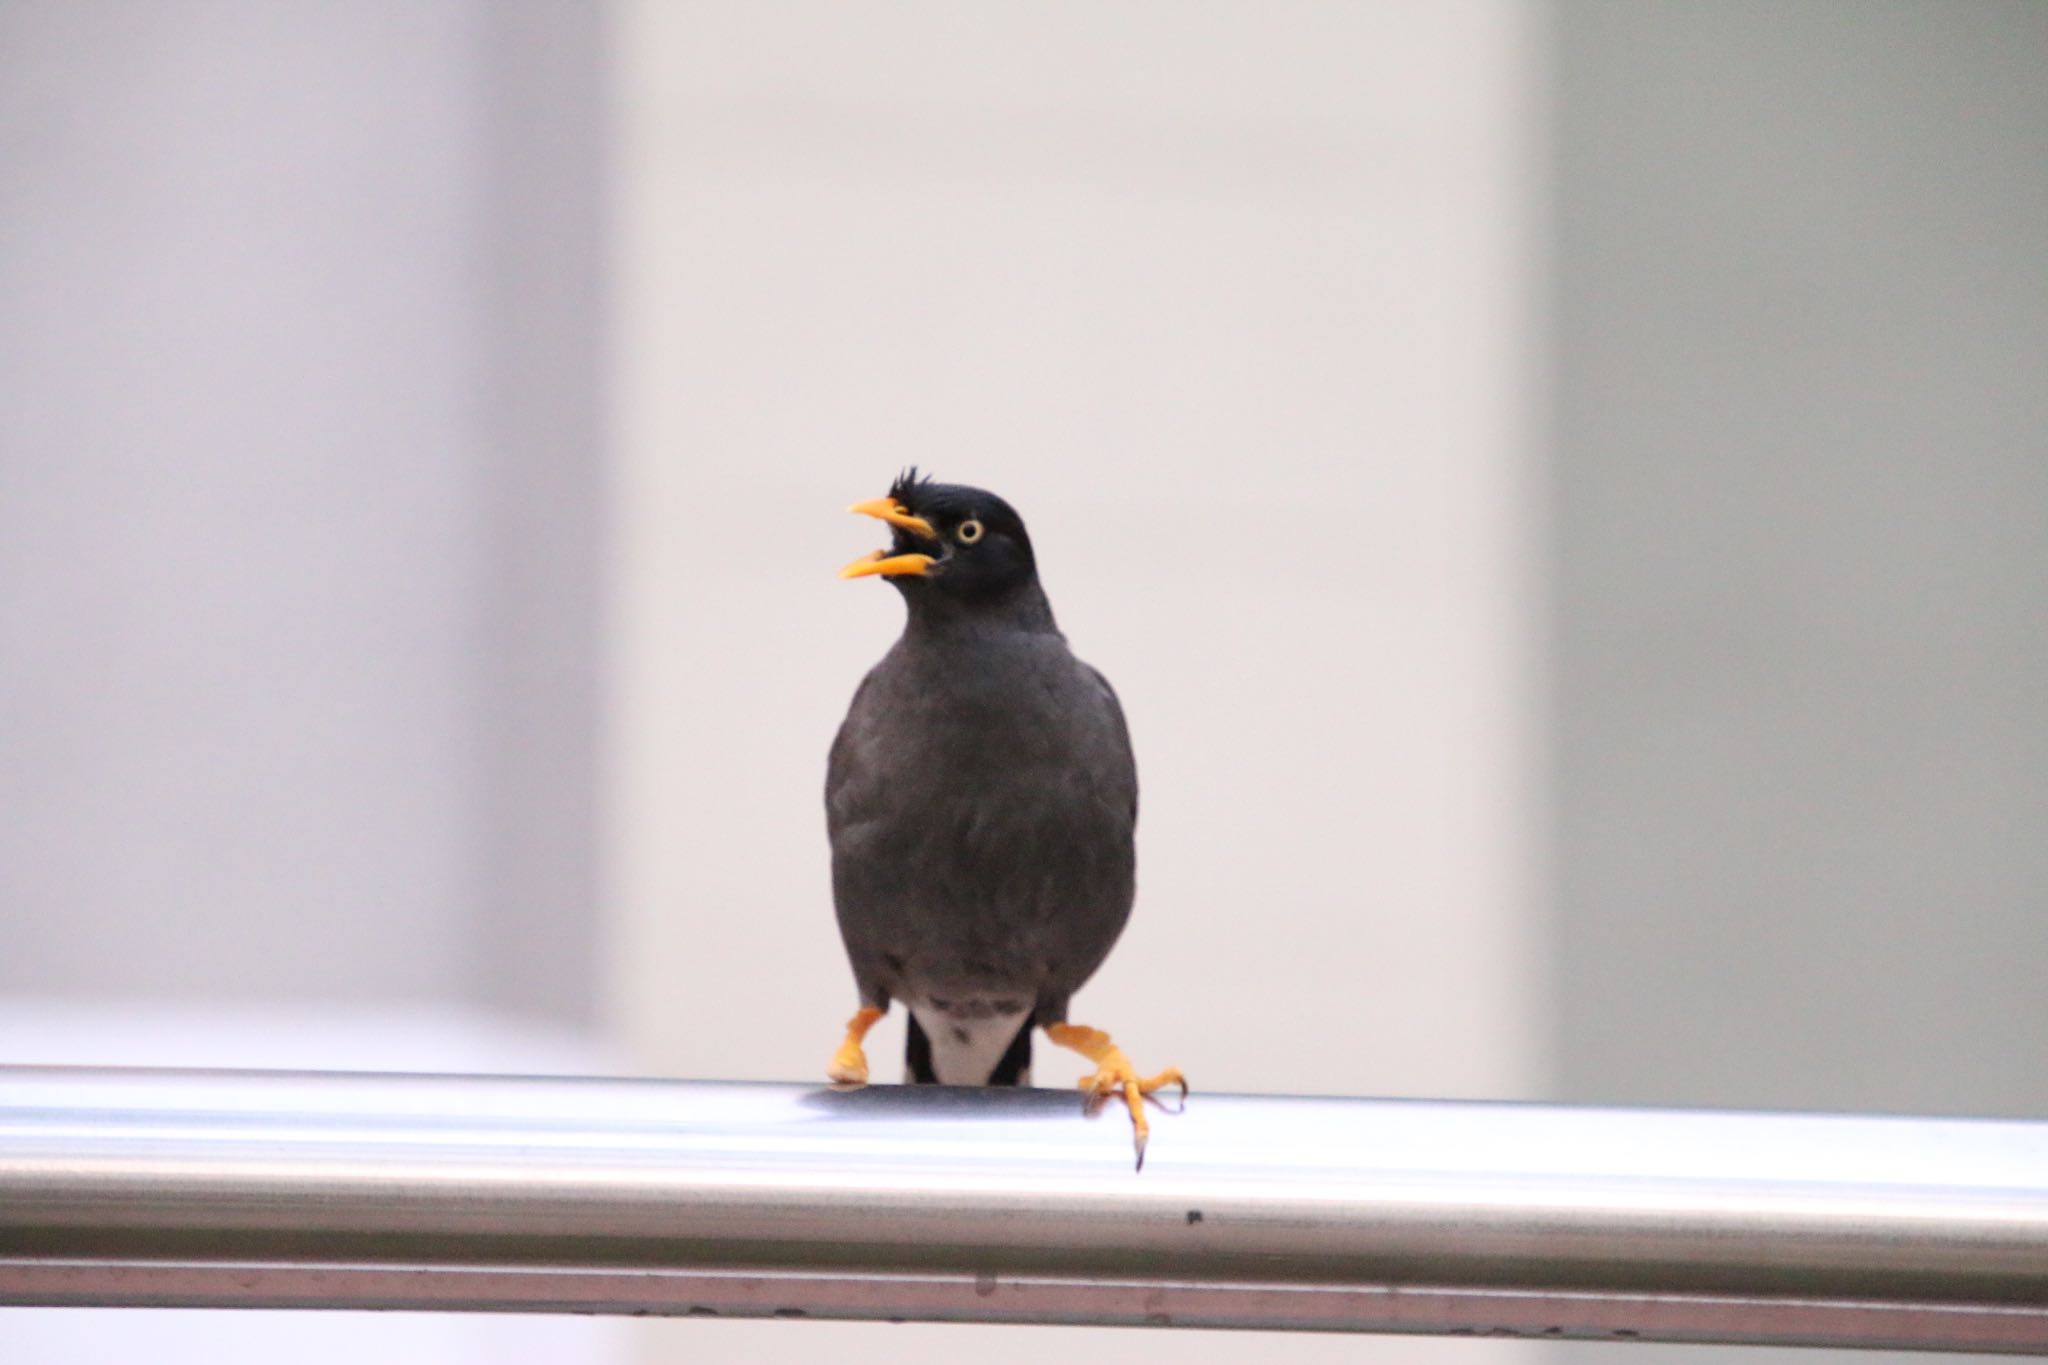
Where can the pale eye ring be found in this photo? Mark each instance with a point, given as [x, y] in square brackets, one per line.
[967, 532]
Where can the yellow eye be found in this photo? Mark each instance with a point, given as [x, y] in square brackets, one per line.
[967, 532]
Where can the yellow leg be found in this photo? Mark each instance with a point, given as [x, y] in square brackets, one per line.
[1114, 1074]
[850, 1065]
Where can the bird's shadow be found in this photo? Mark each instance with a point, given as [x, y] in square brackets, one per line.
[1005, 1104]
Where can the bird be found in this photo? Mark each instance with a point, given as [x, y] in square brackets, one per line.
[981, 801]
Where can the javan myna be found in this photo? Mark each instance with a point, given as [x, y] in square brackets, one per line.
[981, 800]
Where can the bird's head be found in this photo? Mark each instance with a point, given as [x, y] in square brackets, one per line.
[949, 543]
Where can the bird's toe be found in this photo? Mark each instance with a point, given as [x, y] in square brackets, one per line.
[1115, 1076]
[849, 1065]
[848, 1069]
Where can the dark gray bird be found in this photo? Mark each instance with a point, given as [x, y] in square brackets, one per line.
[981, 800]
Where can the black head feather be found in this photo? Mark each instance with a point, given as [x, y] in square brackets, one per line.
[992, 568]
[907, 484]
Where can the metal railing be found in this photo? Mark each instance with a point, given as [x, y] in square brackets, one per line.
[162, 1188]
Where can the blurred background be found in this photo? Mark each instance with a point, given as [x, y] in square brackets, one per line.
[1560, 487]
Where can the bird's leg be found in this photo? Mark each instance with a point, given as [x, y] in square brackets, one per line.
[1114, 1074]
[850, 1065]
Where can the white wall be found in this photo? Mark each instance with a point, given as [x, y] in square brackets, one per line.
[1231, 302]
[1802, 486]
[1803, 478]
[297, 488]
[297, 560]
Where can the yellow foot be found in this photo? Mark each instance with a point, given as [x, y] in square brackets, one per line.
[849, 1067]
[1115, 1075]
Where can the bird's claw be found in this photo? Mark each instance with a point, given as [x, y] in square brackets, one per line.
[848, 1069]
[1112, 1079]
[1114, 1075]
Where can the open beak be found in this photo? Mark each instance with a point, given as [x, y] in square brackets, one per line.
[891, 511]
[888, 565]
[881, 561]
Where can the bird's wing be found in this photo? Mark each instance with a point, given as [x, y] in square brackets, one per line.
[840, 763]
[1123, 729]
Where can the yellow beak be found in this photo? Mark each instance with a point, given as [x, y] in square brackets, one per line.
[888, 565]
[892, 511]
[881, 561]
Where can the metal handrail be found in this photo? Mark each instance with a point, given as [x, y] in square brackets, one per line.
[264, 1189]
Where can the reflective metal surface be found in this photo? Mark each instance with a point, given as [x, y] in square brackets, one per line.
[266, 1189]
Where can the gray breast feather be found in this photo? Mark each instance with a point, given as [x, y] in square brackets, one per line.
[982, 832]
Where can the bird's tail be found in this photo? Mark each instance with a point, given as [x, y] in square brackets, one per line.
[1014, 1067]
